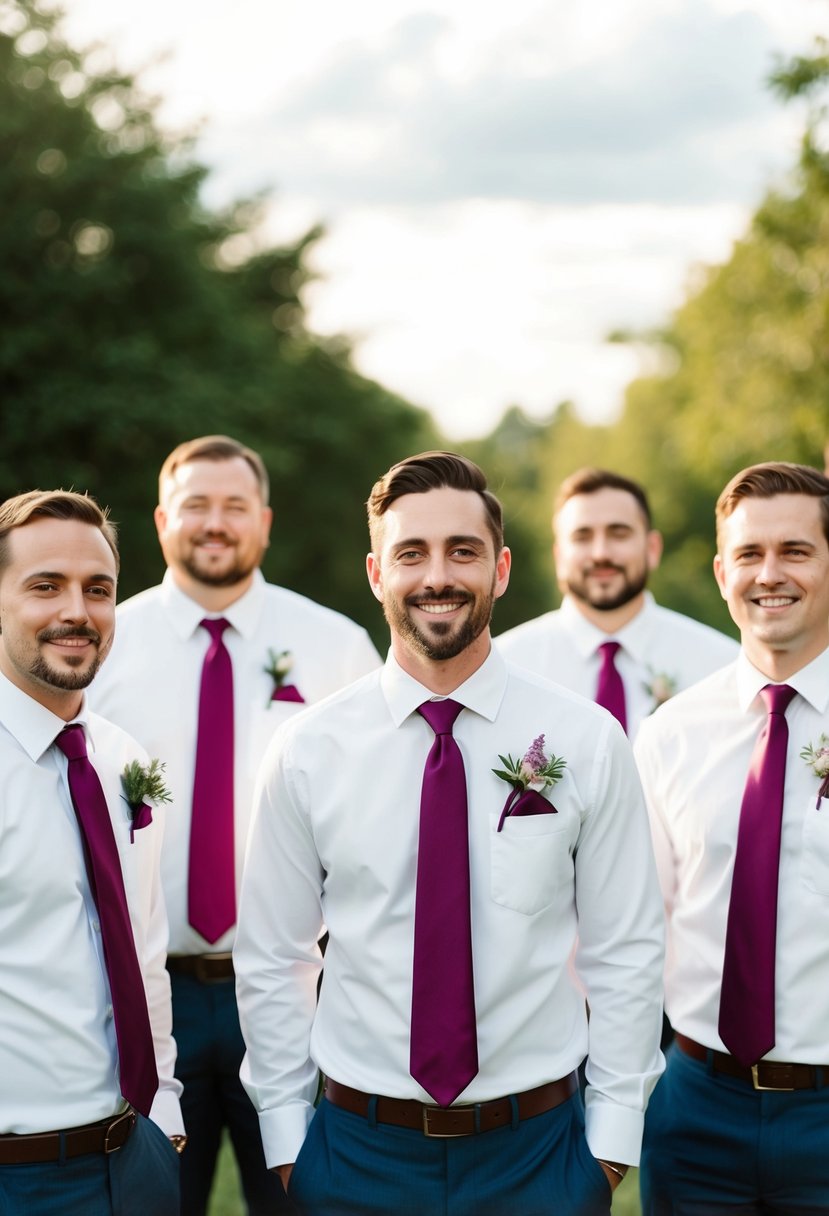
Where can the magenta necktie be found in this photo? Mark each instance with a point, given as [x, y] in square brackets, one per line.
[610, 691]
[746, 1024]
[212, 879]
[444, 1042]
[136, 1057]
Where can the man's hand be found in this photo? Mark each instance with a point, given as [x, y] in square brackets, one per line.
[613, 1176]
[285, 1172]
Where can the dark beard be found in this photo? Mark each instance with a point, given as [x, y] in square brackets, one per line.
[446, 641]
[631, 588]
[236, 574]
[70, 681]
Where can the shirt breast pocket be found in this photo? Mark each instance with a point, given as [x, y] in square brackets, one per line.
[814, 865]
[529, 862]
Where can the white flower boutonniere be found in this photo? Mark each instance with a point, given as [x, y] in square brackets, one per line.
[818, 760]
[143, 786]
[529, 777]
[279, 666]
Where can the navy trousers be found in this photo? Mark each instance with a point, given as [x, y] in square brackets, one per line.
[715, 1146]
[210, 1050]
[140, 1179]
[350, 1166]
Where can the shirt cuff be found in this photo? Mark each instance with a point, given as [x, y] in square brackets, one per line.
[166, 1112]
[283, 1130]
[614, 1133]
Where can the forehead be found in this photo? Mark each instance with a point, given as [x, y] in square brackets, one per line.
[232, 478]
[435, 516]
[773, 521]
[599, 510]
[59, 546]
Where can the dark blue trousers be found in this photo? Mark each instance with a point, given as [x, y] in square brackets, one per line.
[140, 1179]
[210, 1050]
[349, 1166]
[715, 1146]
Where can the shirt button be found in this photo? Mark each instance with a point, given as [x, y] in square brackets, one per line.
[108, 1011]
[96, 925]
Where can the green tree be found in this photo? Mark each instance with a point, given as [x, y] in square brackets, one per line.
[134, 318]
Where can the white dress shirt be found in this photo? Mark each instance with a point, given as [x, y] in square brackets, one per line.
[150, 686]
[58, 1053]
[694, 757]
[564, 646]
[335, 840]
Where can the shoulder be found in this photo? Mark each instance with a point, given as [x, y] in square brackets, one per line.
[527, 694]
[530, 632]
[335, 713]
[677, 625]
[293, 605]
[139, 606]
[112, 743]
[698, 707]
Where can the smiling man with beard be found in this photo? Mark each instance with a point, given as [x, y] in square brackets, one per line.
[609, 640]
[204, 669]
[86, 1054]
[449, 1022]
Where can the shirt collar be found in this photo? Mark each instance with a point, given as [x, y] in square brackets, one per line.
[811, 681]
[33, 725]
[483, 692]
[587, 637]
[186, 615]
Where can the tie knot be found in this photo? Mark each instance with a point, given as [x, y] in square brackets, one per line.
[608, 651]
[440, 715]
[215, 626]
[777, 697]
[72, 742]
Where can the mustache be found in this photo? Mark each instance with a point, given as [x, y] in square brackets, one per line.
[437, 597]
[603, 566]
[69, 631]
[214, 534]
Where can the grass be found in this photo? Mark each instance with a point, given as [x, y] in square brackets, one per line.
[226, 1199]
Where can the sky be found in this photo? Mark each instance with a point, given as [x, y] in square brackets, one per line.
[501, 185]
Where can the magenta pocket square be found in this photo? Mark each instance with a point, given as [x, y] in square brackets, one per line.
[525, 802]
[288, 692]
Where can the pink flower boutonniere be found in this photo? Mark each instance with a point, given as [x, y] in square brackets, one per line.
[529, 777]
[278, 668]
[661, 688]
[818, 760]
[143, 785]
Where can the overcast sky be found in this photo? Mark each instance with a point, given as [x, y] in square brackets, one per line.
[500, 188]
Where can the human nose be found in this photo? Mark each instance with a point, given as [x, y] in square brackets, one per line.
[436, 575]
[770, 572]
[73, 607]
[214, 520]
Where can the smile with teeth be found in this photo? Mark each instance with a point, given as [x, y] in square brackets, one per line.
[440, 609]
[775, 601]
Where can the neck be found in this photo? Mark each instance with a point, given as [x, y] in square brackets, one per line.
[779, 665]
[616, 618]
[443, 676]
[207, 596]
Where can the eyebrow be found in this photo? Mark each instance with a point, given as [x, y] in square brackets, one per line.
[59, 576]
[414, 541]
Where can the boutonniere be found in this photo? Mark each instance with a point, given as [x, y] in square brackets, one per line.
[661, 688]
[143, 785]
[278, 667]
[529, 777]
[818, 760]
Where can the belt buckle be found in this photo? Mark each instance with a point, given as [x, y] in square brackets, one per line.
[129, 1116]
[428, 1110]
[755, 1081]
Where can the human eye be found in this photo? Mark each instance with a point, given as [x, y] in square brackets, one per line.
[44, 587]
[100, 591]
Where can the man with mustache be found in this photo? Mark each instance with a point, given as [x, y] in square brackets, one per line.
[609, 640]
[449, 1023]
[205, 667]
[88, 1102]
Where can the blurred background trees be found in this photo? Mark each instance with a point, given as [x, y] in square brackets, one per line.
[134, 318]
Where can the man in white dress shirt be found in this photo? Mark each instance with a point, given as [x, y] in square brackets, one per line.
[605, 549]
[735, 775]
[213, 523]
[72, 1057]
[461, 982]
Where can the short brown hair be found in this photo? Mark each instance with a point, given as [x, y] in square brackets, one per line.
[591, 480]
[433, 471]
[214, 447]
[770, 479]
[54, 504]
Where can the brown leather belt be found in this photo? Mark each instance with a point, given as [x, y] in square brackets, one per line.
[206, 968]
[450, 1121]
[766, 1074]
[105, 1137]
